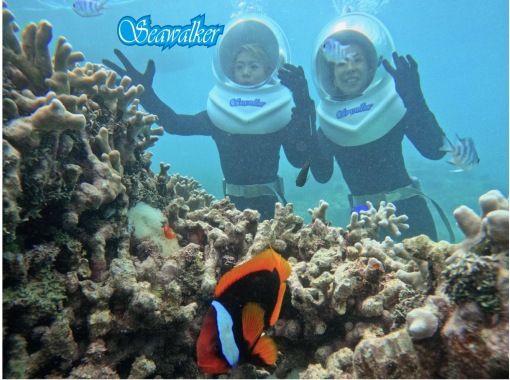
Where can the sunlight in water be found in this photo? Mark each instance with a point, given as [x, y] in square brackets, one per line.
[64, 4]
[240, 7]
[368, 6]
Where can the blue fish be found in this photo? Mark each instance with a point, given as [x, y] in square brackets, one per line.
[464, 155]
[89, 8]
[334, 51]
[359, 208]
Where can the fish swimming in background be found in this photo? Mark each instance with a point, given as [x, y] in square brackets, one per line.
[247, 300]
[334, 51]
[169, 232]
[359, 208]
[303, 174]
[89, 8]
[464, 155]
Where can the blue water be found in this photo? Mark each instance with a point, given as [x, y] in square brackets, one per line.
[461, 47]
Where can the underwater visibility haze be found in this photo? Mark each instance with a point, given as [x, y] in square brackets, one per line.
[122, 257]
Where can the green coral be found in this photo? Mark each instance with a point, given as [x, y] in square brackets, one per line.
[473, 278]
[408, 299]
[17, 367]
[43, 296]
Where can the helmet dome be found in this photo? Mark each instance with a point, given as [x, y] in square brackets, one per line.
[353, 28]
[257, 34]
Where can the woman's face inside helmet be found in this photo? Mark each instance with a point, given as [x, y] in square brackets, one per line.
[250, 65]
[354, 72]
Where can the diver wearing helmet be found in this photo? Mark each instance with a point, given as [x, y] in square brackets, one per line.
[250, 112]
[251, 65]
[364, 114]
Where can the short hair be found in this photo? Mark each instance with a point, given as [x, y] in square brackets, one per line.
[257, 51]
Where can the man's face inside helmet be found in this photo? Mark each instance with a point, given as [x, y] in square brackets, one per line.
[250, 66]
[353, 73]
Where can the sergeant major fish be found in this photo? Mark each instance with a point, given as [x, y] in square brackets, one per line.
[334, 51]
[89, 8]
[464, 155]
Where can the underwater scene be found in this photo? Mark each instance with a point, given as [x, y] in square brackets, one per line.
[255, 189]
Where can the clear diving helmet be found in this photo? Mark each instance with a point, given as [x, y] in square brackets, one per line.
[378, 108]
[260, 104]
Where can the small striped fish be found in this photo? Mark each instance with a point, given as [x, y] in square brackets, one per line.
[334, 51]
[464, 155]
[88, 8]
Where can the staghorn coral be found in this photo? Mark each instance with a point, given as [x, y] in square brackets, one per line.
[287, 233]
[280, 231]
[368, 223]
[319, 212]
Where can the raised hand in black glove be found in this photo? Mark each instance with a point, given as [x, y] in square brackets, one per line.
[293, 77]
[407, 79]
[144, 79]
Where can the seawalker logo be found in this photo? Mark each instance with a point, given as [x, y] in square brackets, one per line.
[363, 107]
[140, 32]
[238, 102]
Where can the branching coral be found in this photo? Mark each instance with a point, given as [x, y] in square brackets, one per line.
[368, 223]
[278, 232]
[319, 212]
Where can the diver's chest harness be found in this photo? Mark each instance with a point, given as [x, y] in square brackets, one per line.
[363, 119]
[250, 111]
[260, 111]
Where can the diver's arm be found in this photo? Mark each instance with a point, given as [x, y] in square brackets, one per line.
[299, 134]
[185, 125]
[301, 129]
[321, 163]
[421, 126]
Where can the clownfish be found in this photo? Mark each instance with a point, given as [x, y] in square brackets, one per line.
[169, 232]
[247, 300]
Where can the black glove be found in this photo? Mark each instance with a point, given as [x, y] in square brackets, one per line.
[407, 79]
[137, 77]
[293, 77]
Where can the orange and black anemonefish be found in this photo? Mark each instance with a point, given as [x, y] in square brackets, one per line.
[247, 300]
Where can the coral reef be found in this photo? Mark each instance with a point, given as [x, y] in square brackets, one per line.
[87, 296]
[77, 285]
